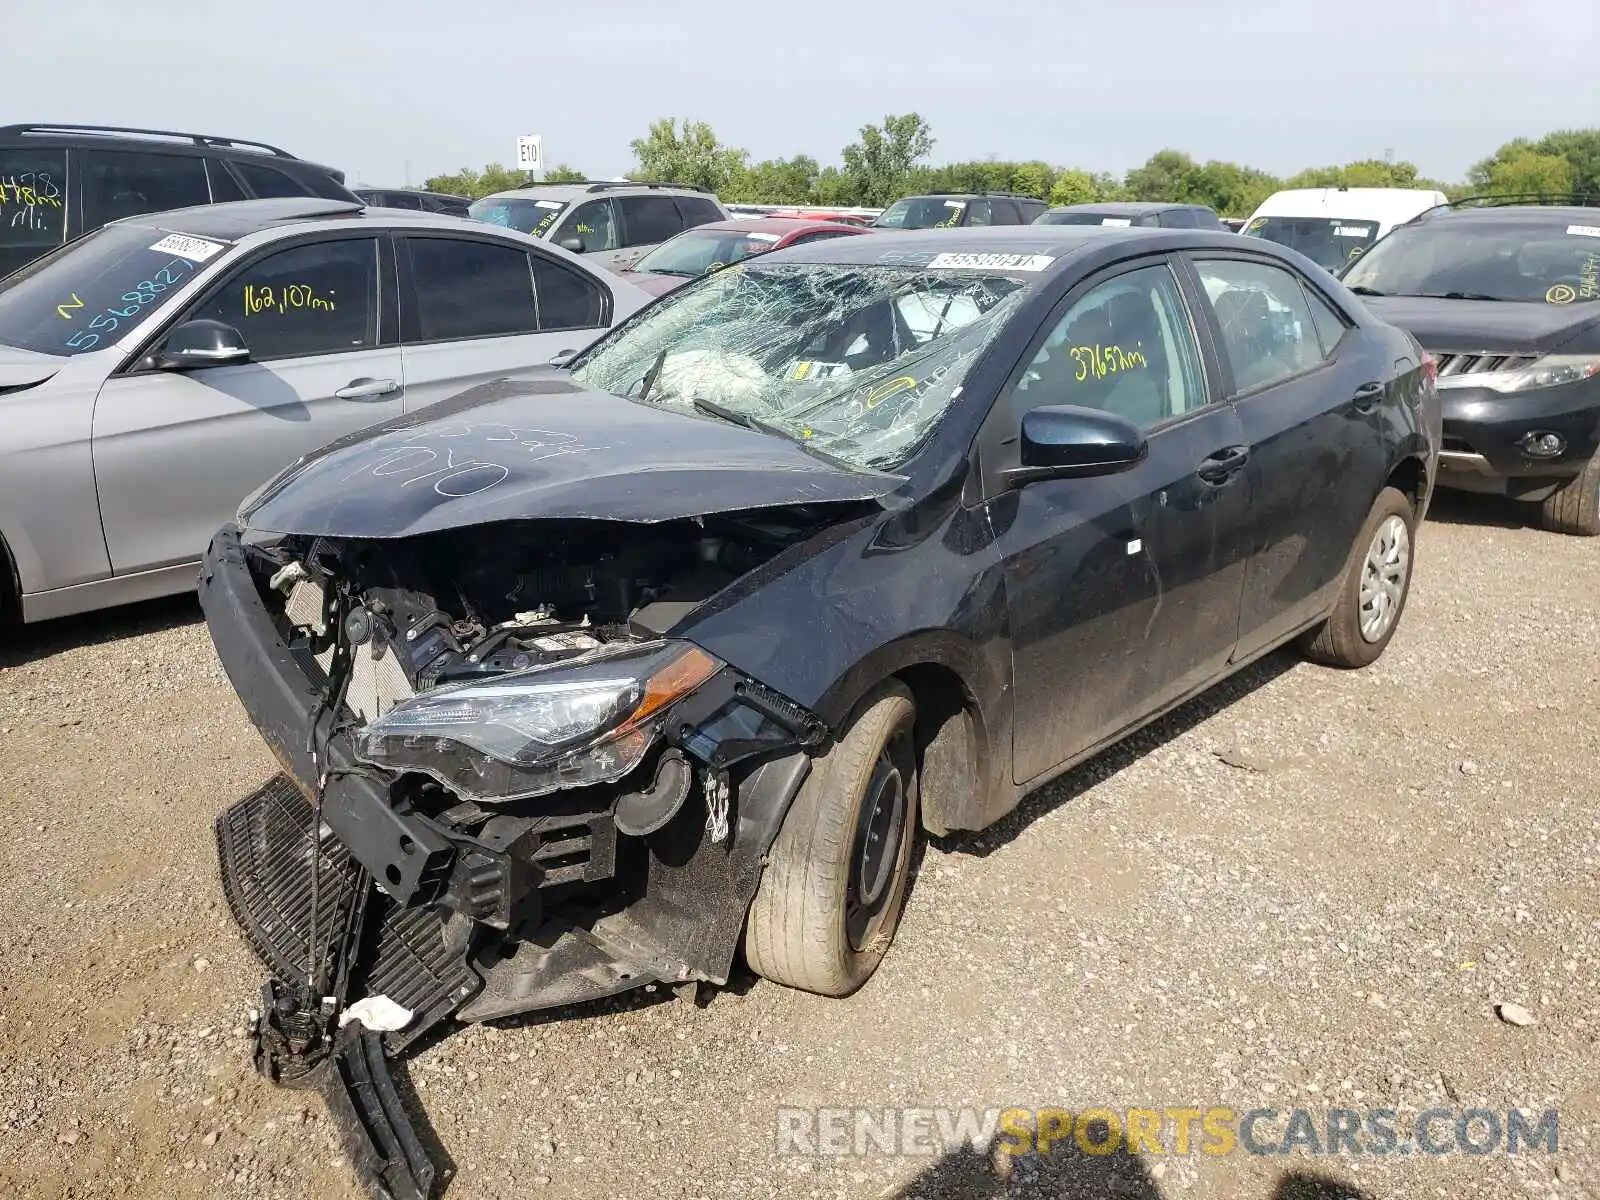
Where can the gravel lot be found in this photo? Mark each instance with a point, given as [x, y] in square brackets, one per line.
[1309, 888]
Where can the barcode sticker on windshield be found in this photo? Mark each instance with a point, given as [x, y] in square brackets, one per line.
[1349, 231]
[547, 203]
[1584, 230]
[955, 203]
[1116, 220]
[1004, 262]
[761, 237]
[193, 248]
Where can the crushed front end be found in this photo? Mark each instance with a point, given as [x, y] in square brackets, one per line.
[506, 786]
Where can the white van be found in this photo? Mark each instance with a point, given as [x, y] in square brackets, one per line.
[1335, 225]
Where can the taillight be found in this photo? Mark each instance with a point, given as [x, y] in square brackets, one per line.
[1430, 364]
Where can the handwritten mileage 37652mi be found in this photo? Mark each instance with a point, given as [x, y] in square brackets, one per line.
[290, 297]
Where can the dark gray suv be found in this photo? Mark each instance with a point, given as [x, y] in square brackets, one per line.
[59, 182]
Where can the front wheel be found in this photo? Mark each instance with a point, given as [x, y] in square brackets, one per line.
[1373, 594]
[830, 899]
[1575, 507]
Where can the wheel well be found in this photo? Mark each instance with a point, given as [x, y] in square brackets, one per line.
[1409, 478]
[952, 748]
[10, 587]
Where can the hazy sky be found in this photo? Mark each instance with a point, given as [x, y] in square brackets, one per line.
[380, 88]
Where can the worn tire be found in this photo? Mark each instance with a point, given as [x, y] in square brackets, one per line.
[1575, 508]
[797, 928]
[1338, 641]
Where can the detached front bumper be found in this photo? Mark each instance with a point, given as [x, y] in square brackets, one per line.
[1484, 431]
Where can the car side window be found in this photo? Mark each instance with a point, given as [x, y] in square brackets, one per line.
[649, 219]
[698, 210]
[33, 191]
[980, 212]
[593, 224]
[820, 235]
[1267, 327]
[469, 289]
[1330, 325]
[319, 298]
[118, 183]
[1127, 346]
[402, 200]
[567, 300]
[267, 182]
[1179, 218]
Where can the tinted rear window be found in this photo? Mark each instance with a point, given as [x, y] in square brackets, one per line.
[1326, 241]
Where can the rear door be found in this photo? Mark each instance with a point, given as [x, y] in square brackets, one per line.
[1123, 591]
[476, 308]
[175, 452]
[33, 203]
[1312, 401]
[646, 221]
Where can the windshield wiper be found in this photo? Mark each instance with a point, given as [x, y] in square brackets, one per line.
[1459, 296]
[759, 426]
[1363, 290]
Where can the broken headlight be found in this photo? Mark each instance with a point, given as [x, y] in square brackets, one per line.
[569, 724]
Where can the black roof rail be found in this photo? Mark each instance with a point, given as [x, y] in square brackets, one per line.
[1007, 195]
[1510, 199]
[199, 139]
[601, 185]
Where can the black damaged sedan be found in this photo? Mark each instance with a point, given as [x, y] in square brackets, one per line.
[608, 674]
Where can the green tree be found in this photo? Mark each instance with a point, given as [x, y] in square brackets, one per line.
[1530, 171]
[690, 155]
[477, 184]
[1521, 161]
[880, 164]
[1074, 186]
[562, 173]
[777, 181]
[1032, 179]
[1164, 176]
[1581, 148]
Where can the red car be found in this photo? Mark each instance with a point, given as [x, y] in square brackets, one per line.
[715, 245]
[840, 218]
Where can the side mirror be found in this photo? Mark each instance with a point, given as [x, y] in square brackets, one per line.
[575, 244]
[1064, 441]
[202, 343]
[563, 357]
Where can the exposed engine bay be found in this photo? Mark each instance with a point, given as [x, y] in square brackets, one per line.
[515, 788]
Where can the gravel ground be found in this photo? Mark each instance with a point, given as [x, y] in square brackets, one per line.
[1309, 888]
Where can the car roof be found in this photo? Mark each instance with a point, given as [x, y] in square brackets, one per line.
[162, 141]
[571, 191]
[1518, 214]
[1124, 208]
[239, 219]
[773, 225]
[916, 247]
[1384, 205]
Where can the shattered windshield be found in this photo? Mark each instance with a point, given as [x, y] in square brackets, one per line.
[857, 362]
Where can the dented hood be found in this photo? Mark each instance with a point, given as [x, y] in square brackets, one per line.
[543, 447]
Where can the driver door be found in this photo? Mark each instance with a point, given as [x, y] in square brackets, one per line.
[1123, 590]
[175, 452]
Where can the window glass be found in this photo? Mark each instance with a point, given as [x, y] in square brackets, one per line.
[697, 210]
[408, 200]
[33, 189]
[1179, 218]
[1329, 242]
[535, 217]
[468, 289]
[980, 212]
[1330, 325]
[922, 212]
[1127, 347]
[119, 184]
[224, 187]
[698, 250]
[1267, 329]
[320, 298]
[820, 235]
[268, 182]
[594, 224]
[1484, 258]
[566, 299]
[650, 219]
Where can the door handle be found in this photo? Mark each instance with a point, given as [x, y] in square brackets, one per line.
[1220, 466]
[1367, 397]
[367, 389]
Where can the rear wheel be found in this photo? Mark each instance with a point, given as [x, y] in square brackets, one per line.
[1575, 508]
[1373, 594]
[830, 899]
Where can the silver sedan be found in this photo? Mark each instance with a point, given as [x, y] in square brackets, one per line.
[155, 371]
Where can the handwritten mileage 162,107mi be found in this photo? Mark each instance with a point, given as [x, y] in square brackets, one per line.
[291, 297]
